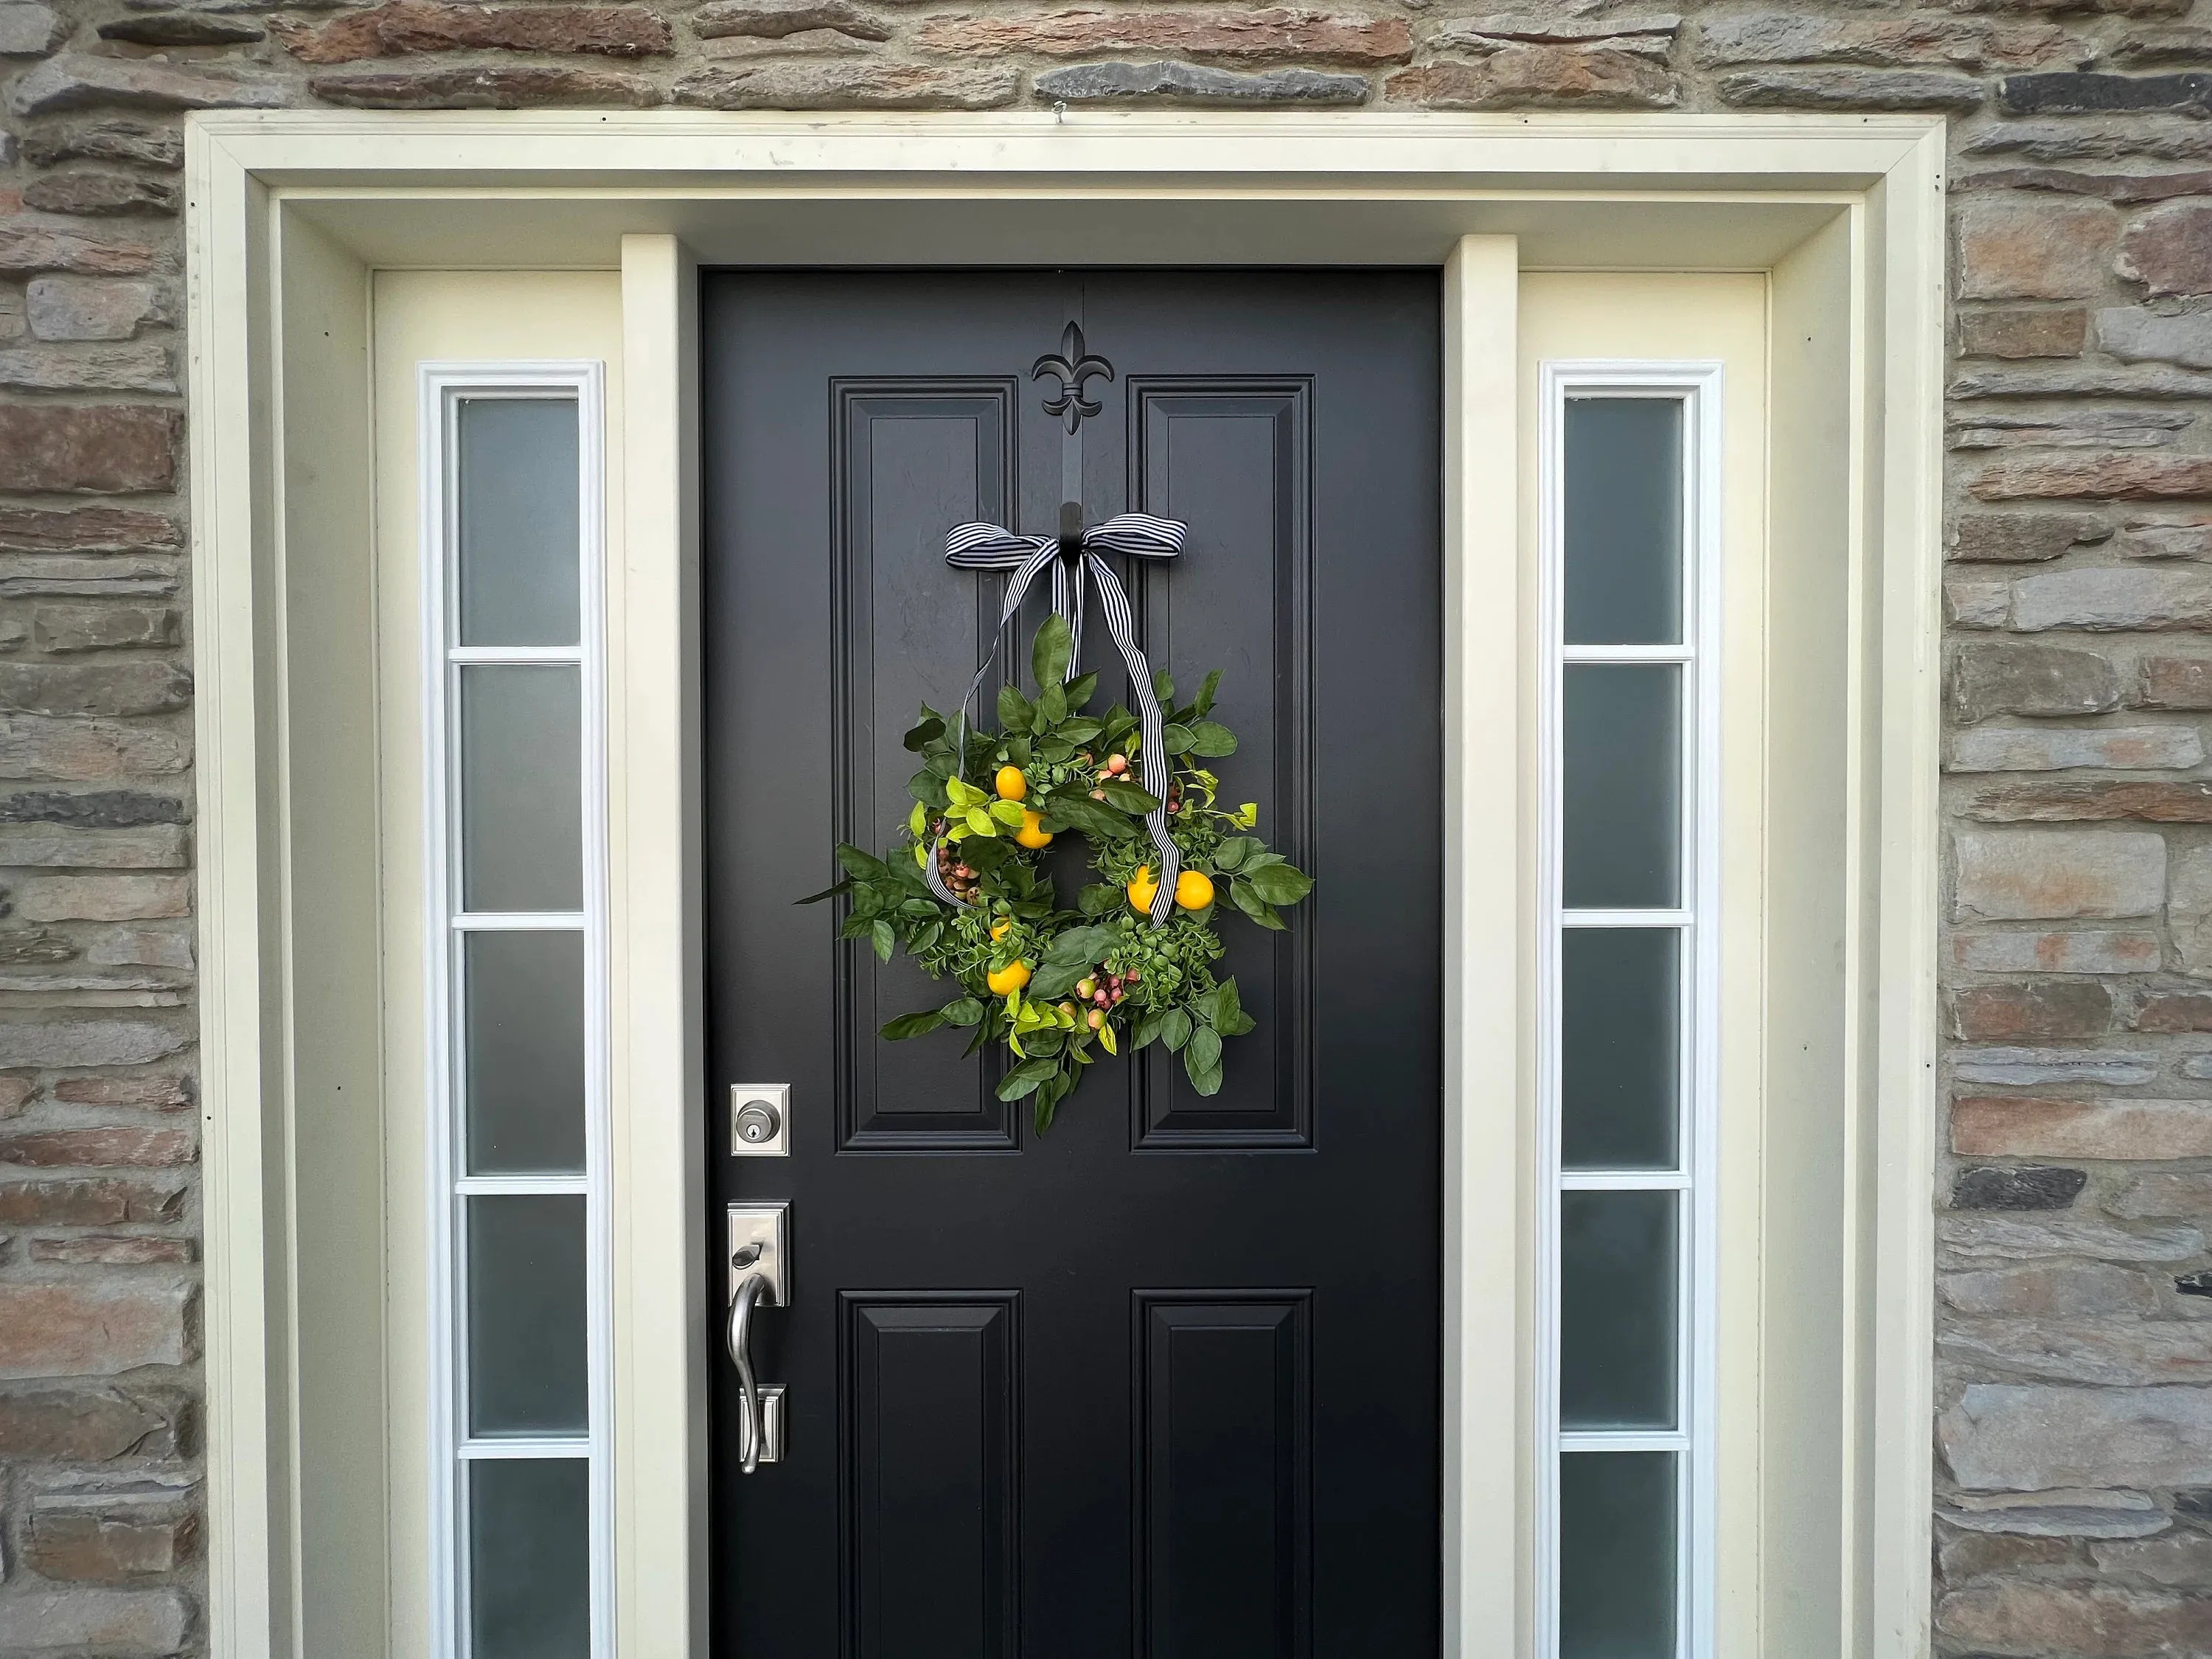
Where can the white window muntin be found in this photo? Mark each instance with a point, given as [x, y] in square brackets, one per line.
[443, 388]
[1697, 386]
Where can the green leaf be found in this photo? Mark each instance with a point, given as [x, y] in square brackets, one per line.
[1048, 1098]
[1048, 654]
[1214, 1006]
[1233, 852]
[1147, 1032]
[1204, 704]
[884, 940]
[966, 1011]
[1085, 946]
[1164, 688]
[863, 867]
[1211, 738]
[1056, 979]
[1175, 1029]
[1014, 710]
[1102, 899]
[1128, 796]
[960, 792]
[844, 886]
[1052, 703]
[914, 1025]
[1008, 813]
[1279, 884]
[918, 738]
[1065, 809]
[1078, 730]
[927, 787]
[1241, 894]
[1024, 1078]
[1081, 688]
[1202, 1060]
[1176, 739]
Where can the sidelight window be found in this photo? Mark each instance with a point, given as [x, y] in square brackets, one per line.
[1627, 992]
[519, 1151]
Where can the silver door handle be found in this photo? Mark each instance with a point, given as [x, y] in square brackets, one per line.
[753, 1431]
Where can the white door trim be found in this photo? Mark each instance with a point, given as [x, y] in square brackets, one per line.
[283, 206]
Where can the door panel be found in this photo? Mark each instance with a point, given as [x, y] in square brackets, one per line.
[1163, 1381]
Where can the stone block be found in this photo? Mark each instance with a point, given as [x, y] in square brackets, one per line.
[102, 1146]
[56, 576]
[89, 308]
[2081, 380]
[2048, 1290]
[2181, 1560]
[84, 1425]
[34, 746]
[2113, 599]
[1985, 427]
[1927, 38]
[2087, 1621]
[2187, 800]
[2136, 333]
[2032, 1067]
[849, 86]
[1962, 1557]
[1523, 75]
[2102, 478]
[2017, 875]
[1196, 84]
[105, 1202]
[2015, 332]
[182, 28]
[2163, 1194]
[2016, 247]
[2169, 249]
[2008, 677]
[486, 86]
[2086, 92]
[2184, 537]
[100, 193]
[2189, 911]
[2023, 1187]
[2175, 681]
[150, 947]
[30, 31]
[16, 1093]
[140, 366]
[2047, 749]
[96, 528]
[1984, 1126]
[114, 1250]
[2018, 1238]
[28, 245]
[97, 448]
[400, 27]
[1269, 35]
[164, 1091]
[1577, 24]
[1976, 602]
[2041, 1008]
[102, 898]
[2082, 951]
[2063, 1514]
[2030, 1438]
[776, 19]
[81, 80]
[61, 630]
[57, 1040]
[1853, 88]
[108, 138]
[149, 847]
[122, 688]
[90, 1328]
[117, 1623]
[111, 1531]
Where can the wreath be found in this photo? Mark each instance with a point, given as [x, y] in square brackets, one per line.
[1120, 971]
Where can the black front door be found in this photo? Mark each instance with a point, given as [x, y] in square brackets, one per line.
[1164, 1381]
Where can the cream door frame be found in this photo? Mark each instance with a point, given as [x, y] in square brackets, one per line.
[288, 213]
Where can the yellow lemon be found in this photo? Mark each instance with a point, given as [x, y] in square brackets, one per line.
[1032, 832]
[1013, 785]
[1012, 977]
[1143, 888]
[999, 929]
[1194, 891]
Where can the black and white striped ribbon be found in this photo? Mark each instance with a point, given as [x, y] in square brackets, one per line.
[1140, 535]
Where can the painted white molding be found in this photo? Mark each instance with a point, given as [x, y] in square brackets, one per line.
[1849, 205]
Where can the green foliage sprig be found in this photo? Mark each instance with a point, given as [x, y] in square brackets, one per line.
[1048, 982]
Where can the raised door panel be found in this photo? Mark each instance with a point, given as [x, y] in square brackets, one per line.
[1233, 459]
[911, 459]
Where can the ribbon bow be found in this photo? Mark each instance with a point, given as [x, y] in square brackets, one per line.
[1074, 558]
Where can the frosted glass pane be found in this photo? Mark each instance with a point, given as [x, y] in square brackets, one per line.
[522, 821]
[530, 1579]
[1622, 784]
[1620, 1048]
[1616, 1311]
[525, 1315]
[524, 1043]
[517, 462]
[1623, 504]
[1617, 1543]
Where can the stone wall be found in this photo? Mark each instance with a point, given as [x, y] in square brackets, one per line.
[2075, 1444]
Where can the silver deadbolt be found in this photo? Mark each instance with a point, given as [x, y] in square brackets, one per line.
[760, 1116]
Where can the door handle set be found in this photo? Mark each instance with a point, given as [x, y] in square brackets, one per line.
[760, 1276]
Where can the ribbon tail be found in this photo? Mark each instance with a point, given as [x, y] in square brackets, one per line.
[1114, 602]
